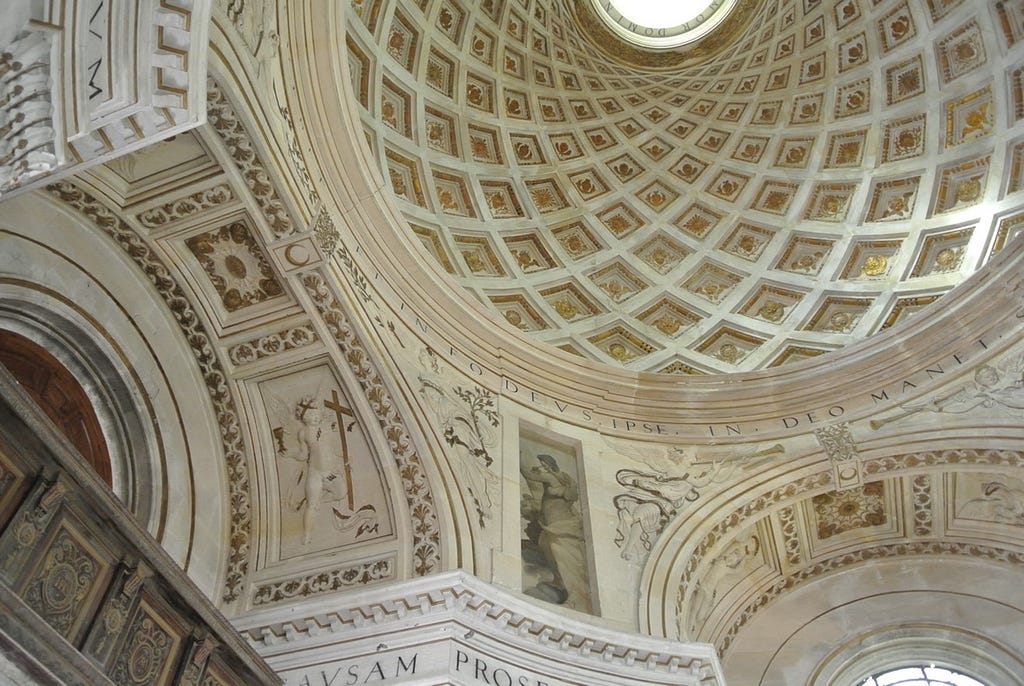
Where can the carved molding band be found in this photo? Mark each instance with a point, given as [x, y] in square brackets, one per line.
[225, 122]
[325, 582]
[515, 633]
[899, 550]
[204, 351]
[272, 344]
[182, 208]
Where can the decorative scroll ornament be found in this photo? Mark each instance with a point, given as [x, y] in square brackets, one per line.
[325, 582]
[273, 344]
[672, 481]
[182, 208]
[468, 419]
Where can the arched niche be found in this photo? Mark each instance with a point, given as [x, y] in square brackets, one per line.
[838, 629]
[70, 290]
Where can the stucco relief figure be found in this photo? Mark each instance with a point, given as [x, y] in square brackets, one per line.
[326, 474]
[999, 502]
[655, 496]
[993, 387]
[738, 560]
[468, 420]
[553, 534]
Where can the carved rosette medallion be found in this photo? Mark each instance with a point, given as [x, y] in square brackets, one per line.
[237, 267]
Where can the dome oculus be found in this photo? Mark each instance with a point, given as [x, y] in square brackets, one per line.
[657, 24]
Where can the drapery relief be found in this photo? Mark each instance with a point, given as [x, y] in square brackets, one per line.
[331, 489]
[986, 497]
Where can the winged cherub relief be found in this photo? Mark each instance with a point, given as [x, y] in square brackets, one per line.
[998, 387]
[314, 432]
[673, 479]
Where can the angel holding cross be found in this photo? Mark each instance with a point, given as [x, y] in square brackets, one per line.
[326, 476]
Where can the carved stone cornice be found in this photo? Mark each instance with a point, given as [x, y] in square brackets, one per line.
[463, 613]
[119, 79]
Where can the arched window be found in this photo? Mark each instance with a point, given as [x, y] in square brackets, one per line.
[920, 676]
[58, 394]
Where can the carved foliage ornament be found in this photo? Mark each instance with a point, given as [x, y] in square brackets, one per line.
[419, 497]
[236, 265]
[468, 419]
[183, 208]
[65, 579]
[325, 582]
[146, 653]
[239, 144]
[837, 441]
[273, 344]
[822, 480]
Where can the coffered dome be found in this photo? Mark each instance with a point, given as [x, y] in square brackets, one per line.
[779, 190]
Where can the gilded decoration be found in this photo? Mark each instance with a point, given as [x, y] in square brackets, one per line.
[625, 153]
[185, 207]
[839, 512]
[236, 265]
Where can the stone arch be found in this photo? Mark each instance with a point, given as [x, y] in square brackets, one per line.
[64, 288]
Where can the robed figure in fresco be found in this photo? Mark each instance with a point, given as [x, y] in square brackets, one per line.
[555, 527]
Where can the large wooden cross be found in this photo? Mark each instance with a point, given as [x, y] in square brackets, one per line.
[340, 411]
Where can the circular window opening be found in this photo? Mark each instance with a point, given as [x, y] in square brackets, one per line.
[658, 14]
[657, 24]
[920, 676]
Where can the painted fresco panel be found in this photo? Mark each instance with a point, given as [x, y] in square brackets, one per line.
[554, 544]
